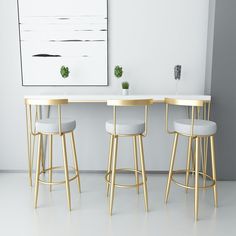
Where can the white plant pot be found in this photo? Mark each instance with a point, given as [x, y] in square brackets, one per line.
[125, 92]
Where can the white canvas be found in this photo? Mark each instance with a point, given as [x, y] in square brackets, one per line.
[63, 32]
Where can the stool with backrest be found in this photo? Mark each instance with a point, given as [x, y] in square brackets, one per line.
[51, 127]
[125, 128]
[194, 129]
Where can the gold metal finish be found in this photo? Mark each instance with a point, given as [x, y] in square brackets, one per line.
[37, 172]
[200, 152]
[38, 103]
[114, 159]
[214, 169]
[59, 118]
[205, 155]
[123, 170]
[86, 99]
[184, 102]
[111, 168]
[75, 161]
[110, 161]
[114, 119]
[145, 120]
[40, 160]
[28, 145]
[136, 163]
[207, 111]
[42, 181]
[143, 172]
[167, 119]
[48, 102]
[123, 102]
[50, 160]
[171, 167]
[42, 156]
[192, 187]
[188, 162]
[66, 171]
[196, 191]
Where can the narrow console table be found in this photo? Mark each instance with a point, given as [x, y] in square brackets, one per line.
[104, 98]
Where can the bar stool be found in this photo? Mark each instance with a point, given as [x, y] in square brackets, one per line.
[32, 115]
[51, 127]
[194, 129]
[125, 128]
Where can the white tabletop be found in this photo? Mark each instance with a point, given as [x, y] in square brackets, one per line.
[103, 98]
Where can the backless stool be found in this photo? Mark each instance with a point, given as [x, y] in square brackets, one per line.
[125, 128]
[51, 127]
[194, 130]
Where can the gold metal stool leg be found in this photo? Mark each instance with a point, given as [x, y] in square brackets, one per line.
[205, 160]
[32, 151]
[37, 172]
[196, 190]
[113, 173]
[66, 171]
[28, 145]
[193, 150]
[43, 157]
[171, 167]
[188, 162]
[143, 172]
[75, 160]
[110, 161]
[214, 169]
[50, 161]
[136, 163]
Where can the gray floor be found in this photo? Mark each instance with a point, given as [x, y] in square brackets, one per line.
[90, 216]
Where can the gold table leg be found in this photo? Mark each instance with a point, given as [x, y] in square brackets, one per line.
[110, 161]
[143, 172]
[66, 171]
[136, 163]
[113, 173]
[50, 161]
[214, 169]
[171, 167]
[75, 160]
[196, 191]
[37, 172]
[28, 145]
[188, 162]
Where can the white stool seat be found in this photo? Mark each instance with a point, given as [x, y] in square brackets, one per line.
[201, 127]
[126, 127]
[51, 125]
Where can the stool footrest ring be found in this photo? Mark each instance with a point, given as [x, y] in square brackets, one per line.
[213, 182]
[123, 170]
[56, 182]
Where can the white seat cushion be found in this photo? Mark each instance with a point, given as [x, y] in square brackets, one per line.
[126, 127]
[201, 127]
[51, 125]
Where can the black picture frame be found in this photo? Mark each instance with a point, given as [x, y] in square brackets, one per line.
[93, 85]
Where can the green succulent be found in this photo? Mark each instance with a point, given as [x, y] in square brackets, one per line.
[118, 71]
[64, 72]
[125, 85]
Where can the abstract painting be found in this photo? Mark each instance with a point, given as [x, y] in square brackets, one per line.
[70, 33]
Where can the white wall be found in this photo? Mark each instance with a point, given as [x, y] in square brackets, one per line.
[147, 37]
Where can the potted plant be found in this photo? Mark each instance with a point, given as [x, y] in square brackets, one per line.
[125, 88]
[118, 72]
[64, 71]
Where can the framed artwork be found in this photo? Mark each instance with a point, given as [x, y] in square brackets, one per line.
[70, 33]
